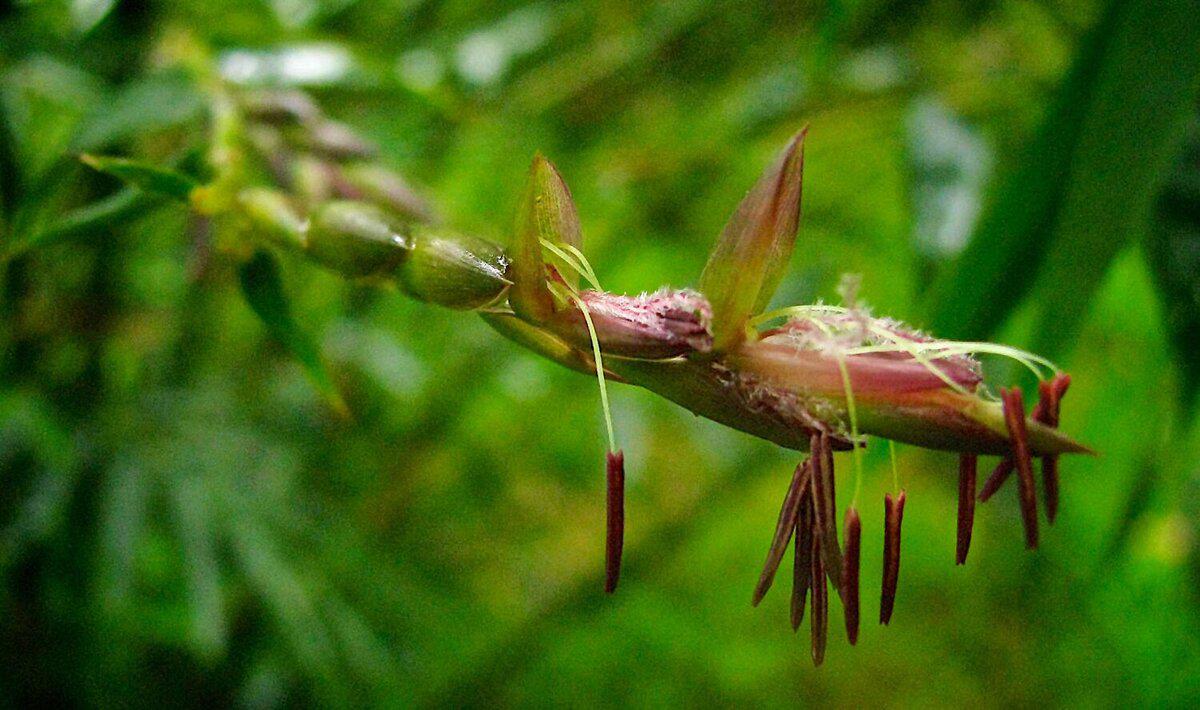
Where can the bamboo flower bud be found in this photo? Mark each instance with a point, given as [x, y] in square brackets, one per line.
[280, 107]
[753, 251]
[312, 180]
[356, 239]
[272, 216]
[385, 188]
[429, 264]
[332, 140]
[664, 324]
[546, 215]
[453, 270]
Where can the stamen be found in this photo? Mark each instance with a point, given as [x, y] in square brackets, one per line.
[587, 319]
[820, 603]
[1050, 486]
[1014, 416]
[967, 467]
[614, 540]
[1049, 401]
[802, 562]
[850, 561]
[998, 478]
[893, 517]
[825, 498]
[797, 490]
[615, 465]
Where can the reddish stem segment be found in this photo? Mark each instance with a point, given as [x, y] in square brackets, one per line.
[802, 563]
[850, 561]
[615, 537]
[797, 492]
[967, 469]
[893, 511]
[1014, 417]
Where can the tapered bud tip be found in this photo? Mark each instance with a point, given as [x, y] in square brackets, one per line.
[755, 247]
[547, 214]
[558, 217]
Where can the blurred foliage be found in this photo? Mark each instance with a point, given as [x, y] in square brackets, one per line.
[184, 519]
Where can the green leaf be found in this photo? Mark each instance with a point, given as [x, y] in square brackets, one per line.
[1085, 188]
[150, 178]
[755, 247]
[44, 102]
[263, 288]
[147, 105]
[1173, 250]
[121, 206]
[547, 213]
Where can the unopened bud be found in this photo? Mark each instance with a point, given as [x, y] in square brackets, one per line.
[273, 217]
[664, 324]
[280, 107]
[356, 239]
[333, 140]
[453, 270]
[387, 189]
[312, 181]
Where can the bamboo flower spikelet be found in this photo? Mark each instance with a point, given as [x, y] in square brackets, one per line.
[817, 379]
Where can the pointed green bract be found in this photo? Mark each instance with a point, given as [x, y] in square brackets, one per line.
[548, 213]
[147, 177]
[755, 247]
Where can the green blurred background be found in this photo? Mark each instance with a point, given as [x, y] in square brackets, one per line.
[184, 521]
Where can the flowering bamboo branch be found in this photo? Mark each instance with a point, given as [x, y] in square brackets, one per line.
[809, 378]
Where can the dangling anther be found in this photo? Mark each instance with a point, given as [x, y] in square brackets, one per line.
[797, 491]
[820, 604]
[850, 560]
[802, 562]
[825, 505]
[615, 530]
[998, 478]
[1049, 400]
[1014, 417]
[893, 517]
[967, 467]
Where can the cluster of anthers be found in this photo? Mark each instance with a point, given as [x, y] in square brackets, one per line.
[816, 379]
[808, 513]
